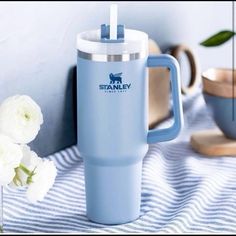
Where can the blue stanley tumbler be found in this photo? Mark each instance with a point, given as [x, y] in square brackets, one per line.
[113, 133]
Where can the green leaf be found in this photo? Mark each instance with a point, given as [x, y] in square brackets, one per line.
[218, 39]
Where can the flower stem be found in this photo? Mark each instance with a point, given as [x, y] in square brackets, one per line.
[27, 172]
[23, 168]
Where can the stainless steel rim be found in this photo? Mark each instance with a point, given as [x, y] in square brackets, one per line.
[105, 57]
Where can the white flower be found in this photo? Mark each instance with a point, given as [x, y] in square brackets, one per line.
[30, 161]
[20, 118]
[42, 181]
[35, 173]
[30, 158]
[10, 157]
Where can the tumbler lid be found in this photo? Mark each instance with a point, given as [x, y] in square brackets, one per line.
[134, 42]
[113, 39]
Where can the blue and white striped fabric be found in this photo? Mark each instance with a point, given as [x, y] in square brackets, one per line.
[182, 191]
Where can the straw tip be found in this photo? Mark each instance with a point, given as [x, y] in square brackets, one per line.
[114, 6]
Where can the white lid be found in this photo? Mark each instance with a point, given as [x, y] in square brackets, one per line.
[134, 42]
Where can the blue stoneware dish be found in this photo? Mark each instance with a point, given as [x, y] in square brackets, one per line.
[220, 95]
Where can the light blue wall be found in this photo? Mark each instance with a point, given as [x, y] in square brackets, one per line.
[37, 48]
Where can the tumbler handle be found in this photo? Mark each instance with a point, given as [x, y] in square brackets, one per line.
[172, 132]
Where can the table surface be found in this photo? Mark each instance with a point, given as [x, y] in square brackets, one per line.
[182, 191]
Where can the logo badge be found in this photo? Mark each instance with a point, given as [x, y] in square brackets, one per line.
[115, 78]
[115, 85]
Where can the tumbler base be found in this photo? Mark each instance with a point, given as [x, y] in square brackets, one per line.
[113, 193]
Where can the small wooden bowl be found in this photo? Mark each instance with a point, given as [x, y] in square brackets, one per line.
[220, 82]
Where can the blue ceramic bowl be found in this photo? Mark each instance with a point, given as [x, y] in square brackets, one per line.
[220, 95]
[223, 113]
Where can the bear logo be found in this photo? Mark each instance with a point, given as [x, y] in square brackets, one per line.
[115, 78]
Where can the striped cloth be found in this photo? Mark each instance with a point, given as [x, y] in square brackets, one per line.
[182, 191]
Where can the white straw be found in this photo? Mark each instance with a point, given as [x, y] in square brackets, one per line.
[113, 21]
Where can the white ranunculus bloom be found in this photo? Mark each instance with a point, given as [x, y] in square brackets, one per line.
[10, 157]
[20, 118]
[42, 181]
[30, 160]
[44, 174]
